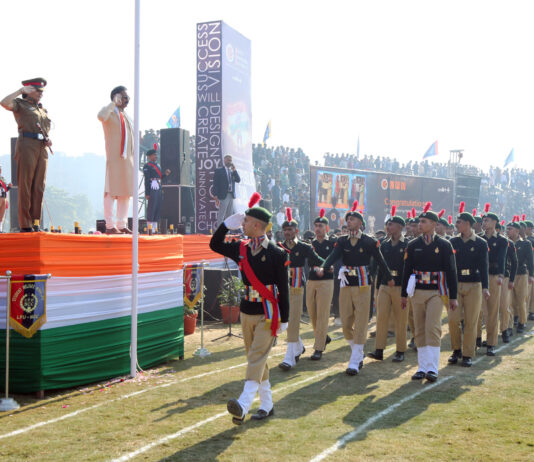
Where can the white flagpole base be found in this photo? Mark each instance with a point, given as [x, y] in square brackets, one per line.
[8, 404]
[202, 352]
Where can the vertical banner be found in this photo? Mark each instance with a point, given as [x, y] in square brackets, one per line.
[28, 303]
[208, 121]
[237, 112]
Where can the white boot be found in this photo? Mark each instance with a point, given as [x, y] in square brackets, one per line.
[356, 357]
[247, 396]
[291, 352]
[433, 358]
[422, 359]
[266, 398]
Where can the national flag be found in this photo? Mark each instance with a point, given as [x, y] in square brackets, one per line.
[432, 150]
[510, 158]
[267, 132]
[174, 121]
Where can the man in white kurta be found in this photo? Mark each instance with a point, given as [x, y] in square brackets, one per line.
[118, 135]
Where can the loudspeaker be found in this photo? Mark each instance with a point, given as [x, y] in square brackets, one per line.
[467, 189]
[13, 163]
[101, 226]
[141, 223]
[213, 280]
[175, 155]
[178, 206]
[14, 207]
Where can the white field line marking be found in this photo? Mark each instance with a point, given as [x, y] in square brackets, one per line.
[130, 395]
[351, 435]
[182, 432]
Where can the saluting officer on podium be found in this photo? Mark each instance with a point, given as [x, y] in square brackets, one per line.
[31, 155]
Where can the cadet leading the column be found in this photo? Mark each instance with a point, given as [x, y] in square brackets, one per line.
[355, 251]
[265, 307]
[299, 252]
[430, 280]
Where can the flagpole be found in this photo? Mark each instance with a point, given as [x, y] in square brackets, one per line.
[135, 221]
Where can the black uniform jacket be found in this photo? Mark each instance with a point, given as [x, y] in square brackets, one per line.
[471, 259]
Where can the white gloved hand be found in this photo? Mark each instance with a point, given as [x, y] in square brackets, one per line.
[154, 185]
[281, 328]
[410, 287]
[342, 277]
[234, 221]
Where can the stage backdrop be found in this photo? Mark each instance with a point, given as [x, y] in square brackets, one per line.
[224, 117]
[335, 189]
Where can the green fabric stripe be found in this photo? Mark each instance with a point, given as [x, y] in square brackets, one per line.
[68, 356]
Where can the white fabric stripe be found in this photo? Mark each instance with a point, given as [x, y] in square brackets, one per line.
[80, 300]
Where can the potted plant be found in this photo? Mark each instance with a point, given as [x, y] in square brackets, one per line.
[229, 298]
[190, 319]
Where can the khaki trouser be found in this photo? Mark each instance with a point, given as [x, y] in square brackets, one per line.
[296, 296]
[427, 309]
[519, 297]
[32, 161]
[469, 303]
[490, 311]
[531, 299]
[504, 306]
[258, 342]
[354, 312]
[318, 299]
[410, 318]
[389, 302]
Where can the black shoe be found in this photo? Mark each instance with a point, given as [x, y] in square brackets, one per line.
[520, 328]
[510, 332]
[236, 410]
[412, 344]
[298, 357]
[261, 414]
[285, 366]
[431, 376]
[372, 334]
[456, 355]
[351, 371]
[531, 317]
[479, 342]
[377, 354]
[516, 320]
[316, 356]
[419, 375]
[490, 351]
[466, 361]
[485, 343]
[399, 357]
[328, 340]
[505, 336]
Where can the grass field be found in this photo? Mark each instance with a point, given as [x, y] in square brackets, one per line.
[177, 412]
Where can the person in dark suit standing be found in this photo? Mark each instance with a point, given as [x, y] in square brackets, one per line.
[224, 180]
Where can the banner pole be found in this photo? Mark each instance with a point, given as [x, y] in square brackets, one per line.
[202, 352]
[8, 404]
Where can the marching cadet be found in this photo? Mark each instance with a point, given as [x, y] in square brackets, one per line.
[505, 312]
[498, 246]
[355, 250]
[299, 252]
[442, 225]
[429, 279]
[414, 225]
[31, 154]
[478, 224]
[524, 275]
[265, 307]
[528, 233]
[472, 270]
[319, 290]
[389, 298]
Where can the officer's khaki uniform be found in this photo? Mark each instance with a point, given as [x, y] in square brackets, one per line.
[490, 310]
[519, 297]
[318, 298]
[469, 303]
[258, 342]
[389, 302]
[504, 306]
[31, 156]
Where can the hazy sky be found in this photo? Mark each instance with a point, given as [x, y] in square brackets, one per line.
[400, 74]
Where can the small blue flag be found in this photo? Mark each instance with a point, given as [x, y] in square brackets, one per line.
[174, 121]
[509, 159]
[432, 150]
[267, 132]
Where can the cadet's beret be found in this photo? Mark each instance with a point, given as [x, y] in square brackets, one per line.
[39, 83]
[321, 218]
[488, 214]
[290, 221]
[394, 218]
[529, 224]
[353, 212]
[257, 212]
[429, 214]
